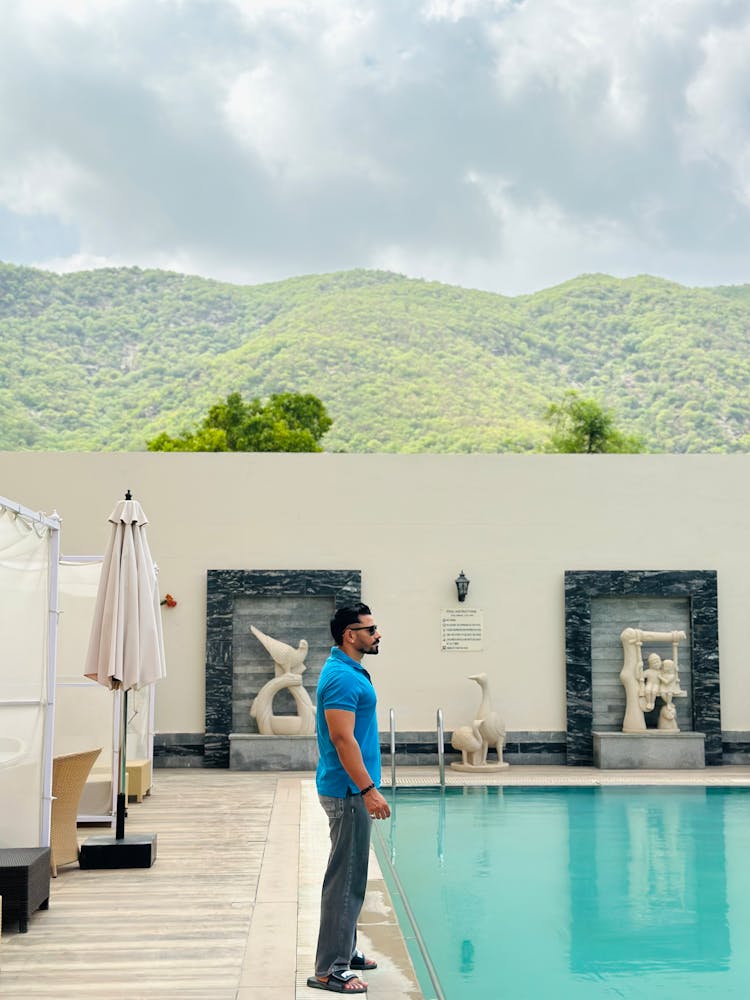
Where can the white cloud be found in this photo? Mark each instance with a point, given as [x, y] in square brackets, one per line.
[41, 16]
[540, 241]
[493, 143]
[41, 184]
[717, 127]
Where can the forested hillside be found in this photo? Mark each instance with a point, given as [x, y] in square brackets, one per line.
[106, 359]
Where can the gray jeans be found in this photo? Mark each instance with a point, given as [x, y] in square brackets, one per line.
[344, 883]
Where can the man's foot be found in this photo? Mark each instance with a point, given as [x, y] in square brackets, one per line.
[342, 981]
[360, 961]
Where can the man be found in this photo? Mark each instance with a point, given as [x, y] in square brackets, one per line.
[347, 779]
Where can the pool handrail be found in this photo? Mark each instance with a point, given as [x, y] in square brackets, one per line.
[441, 747]
[392, 718]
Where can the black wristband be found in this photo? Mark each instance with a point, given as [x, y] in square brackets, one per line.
[368, 789]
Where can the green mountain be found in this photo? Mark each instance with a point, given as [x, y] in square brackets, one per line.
[105, 360]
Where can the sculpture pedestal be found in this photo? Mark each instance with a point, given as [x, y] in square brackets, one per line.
[479, 768]
[656, 749]
[251, 752]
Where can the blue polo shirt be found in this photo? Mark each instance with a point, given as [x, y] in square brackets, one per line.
[346, 685]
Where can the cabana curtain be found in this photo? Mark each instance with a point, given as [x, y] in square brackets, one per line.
[83, 709]
[29, 552]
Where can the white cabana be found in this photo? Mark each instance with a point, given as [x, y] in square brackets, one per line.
[84, 713]
[29, 553]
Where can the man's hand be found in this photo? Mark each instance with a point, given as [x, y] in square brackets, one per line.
[377, 806]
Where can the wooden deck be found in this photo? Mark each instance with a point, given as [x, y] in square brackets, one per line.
[227, 912]
[178, 929]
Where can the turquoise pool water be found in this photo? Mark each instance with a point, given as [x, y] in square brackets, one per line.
[588, 893]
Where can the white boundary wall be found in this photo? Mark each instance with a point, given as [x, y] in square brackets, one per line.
[514, 523]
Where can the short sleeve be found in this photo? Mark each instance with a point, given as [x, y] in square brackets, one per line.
[339, 692]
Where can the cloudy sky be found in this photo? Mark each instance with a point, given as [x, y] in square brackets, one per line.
[498, 144]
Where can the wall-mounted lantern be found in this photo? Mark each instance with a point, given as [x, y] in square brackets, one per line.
[462, 586]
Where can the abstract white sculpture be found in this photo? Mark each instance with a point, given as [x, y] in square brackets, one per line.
[487, 730]
[289, 665]
[660, 679]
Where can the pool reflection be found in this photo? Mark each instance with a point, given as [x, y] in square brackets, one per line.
[645, 891]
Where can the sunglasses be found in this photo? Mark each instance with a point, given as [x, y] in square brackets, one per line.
[372, 629]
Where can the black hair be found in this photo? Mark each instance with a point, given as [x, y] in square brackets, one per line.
[344, 617]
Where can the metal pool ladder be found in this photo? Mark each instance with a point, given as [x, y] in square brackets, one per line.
[392, 716]
[441, 747]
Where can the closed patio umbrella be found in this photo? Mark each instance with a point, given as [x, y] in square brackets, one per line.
[126, 645]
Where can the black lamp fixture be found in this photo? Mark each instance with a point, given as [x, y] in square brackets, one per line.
[462, 586]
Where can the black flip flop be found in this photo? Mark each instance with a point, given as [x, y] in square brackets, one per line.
[337, 983]
[360, 961]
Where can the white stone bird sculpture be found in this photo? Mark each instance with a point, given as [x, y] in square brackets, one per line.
[289, 663]
[492, 726]
[286, 659]
[471, 743]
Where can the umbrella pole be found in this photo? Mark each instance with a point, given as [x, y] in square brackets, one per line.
[134, 851]
[122, 783]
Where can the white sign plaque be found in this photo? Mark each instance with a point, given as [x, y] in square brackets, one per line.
[462, 629]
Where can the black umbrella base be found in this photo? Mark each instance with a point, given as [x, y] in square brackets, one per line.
[133, 851]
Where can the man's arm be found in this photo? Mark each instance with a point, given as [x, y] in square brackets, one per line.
[341, 730]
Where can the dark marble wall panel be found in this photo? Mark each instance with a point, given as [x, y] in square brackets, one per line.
[736, 747]
[699, 587]
[179, 750]
[417, 748]
[226, 587]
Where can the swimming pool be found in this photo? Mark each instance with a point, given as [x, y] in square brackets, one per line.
[633, 893]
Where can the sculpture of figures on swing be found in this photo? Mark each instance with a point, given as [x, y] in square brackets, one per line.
[487, 730]
[289, 665]
[659, 679]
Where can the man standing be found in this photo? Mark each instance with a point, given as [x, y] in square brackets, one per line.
[347, 779]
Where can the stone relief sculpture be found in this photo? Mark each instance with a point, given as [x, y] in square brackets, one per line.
[659, 679]
[289, 665]
[487, 730]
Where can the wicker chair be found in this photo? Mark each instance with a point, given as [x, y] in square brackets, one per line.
[69, 774]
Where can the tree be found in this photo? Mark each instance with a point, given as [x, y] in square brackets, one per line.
[289, 421]
[583, 426]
